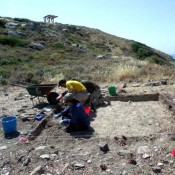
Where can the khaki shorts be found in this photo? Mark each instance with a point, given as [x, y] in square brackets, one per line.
[81, 96]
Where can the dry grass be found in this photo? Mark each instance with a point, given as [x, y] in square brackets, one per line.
[114, 70]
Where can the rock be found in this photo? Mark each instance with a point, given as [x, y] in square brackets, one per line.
[24, 133]
[103, 167]
[11, 25]
[37, 46]
[124, 85]
[155, 83]
[101, 57]
[143, 150]
[26, 118]
[132, 161]
[25, 160]
[37, 170]
[160, 164]
[135, 85]
[156, 169]
[124, 153]
[164, 82]
[4, 163]
[104, 147]
[89, 161]
[40, 148]
[12, 33]
[171, 162]
[45, 156]
[145, 156]
[3, 147]
[78, 166]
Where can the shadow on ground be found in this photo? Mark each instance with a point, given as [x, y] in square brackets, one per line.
[83, 134]
[12, 136]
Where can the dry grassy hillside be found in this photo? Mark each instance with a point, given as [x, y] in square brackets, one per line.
[37, 52]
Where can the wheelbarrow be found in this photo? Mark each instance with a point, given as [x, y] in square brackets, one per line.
[40, 90]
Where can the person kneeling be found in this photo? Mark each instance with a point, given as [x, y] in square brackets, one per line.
[79, 120]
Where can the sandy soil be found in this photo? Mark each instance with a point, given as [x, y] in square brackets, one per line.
[139, 136]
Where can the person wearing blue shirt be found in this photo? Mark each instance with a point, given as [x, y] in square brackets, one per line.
[79, 120]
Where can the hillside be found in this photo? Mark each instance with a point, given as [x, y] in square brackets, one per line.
[36, 51]
[133, 135]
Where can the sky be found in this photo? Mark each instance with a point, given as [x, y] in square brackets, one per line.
[151, 22]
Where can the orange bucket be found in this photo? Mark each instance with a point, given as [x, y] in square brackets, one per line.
[87, 109]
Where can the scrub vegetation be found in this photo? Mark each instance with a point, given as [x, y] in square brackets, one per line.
[37, 52]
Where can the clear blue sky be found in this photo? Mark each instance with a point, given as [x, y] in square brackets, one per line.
[151, 22]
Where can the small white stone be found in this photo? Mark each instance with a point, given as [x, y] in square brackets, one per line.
[108, 170]
[145, 156]
[78, 165]
[45, 156]
[40, 148]
[171, 162]
[3, 147]
[160, 164]
[89, 161]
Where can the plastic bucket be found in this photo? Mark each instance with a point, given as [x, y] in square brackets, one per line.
[9, 124]
[112, 90]
[87, 109]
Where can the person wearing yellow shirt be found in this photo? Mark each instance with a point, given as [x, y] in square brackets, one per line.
[75, 87]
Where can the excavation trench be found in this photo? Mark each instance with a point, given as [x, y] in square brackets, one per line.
[129, 115]
[134, 115]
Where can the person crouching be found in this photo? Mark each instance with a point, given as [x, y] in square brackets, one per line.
[79, 120]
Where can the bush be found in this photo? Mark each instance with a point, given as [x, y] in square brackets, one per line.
[142, 53]
[155, 59]
[59, 46]
[2, 23]
[10, 61]
[141, 50]
[4, 73]
[12, 41]
[22, 20]
[136, 45]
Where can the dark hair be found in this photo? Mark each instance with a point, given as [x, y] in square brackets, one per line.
[61, 82]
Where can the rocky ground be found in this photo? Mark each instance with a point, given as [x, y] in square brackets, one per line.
[126, 138]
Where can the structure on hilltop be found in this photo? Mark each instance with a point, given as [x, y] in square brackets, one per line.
[49, 18]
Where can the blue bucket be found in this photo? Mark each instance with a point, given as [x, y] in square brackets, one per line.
[9, 124]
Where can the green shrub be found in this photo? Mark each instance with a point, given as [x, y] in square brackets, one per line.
[141, 50]
[22, 20]
[142, 53]
[13, 61]
[12, 41]
[136, 45]
[59, 46]
[155, 59]
[4, 73]
[2, 23]
[10, 61]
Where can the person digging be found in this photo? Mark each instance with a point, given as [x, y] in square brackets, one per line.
[77, 119]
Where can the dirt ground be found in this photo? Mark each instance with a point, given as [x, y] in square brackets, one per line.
[126, 138]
